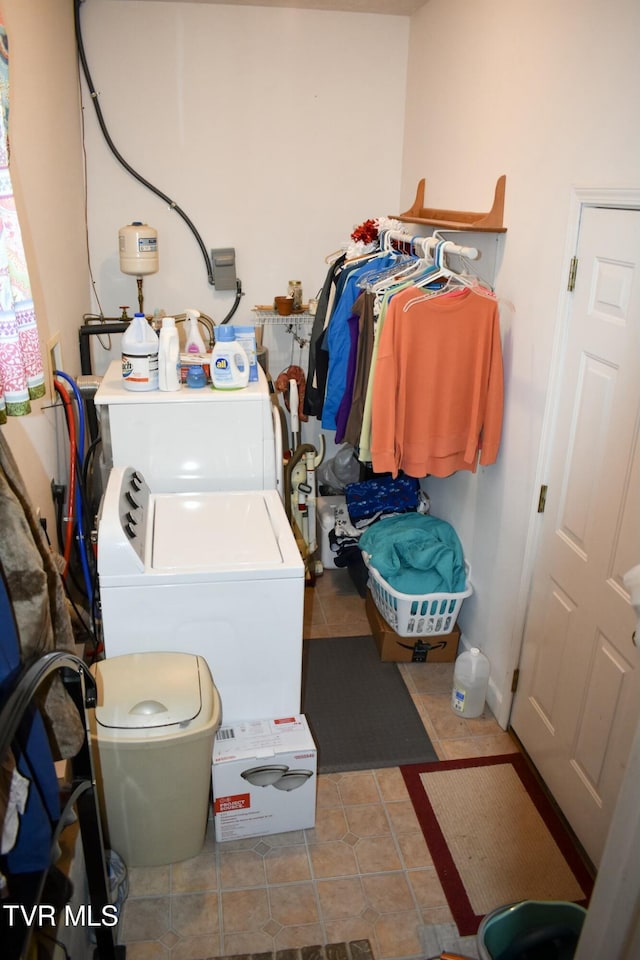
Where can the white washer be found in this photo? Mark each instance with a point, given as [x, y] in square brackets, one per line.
[212, 573]
[195, 551]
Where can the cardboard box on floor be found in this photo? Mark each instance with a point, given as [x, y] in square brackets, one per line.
[264, 778]
[441, 648]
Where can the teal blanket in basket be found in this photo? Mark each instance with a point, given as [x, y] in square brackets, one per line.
[416, 554]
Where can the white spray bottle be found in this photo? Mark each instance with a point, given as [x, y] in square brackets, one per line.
[194, 342]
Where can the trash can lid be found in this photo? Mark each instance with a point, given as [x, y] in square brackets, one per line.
[142, 690]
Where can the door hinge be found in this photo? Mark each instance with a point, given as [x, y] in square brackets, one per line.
[542, 499]
[573, 269]
[514, 680]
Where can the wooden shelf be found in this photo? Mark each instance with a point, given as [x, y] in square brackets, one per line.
[490, 222]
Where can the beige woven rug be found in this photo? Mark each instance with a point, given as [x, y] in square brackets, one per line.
[493, 836]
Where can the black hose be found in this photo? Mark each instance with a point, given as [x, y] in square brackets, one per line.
[236, 302]
[123, 162]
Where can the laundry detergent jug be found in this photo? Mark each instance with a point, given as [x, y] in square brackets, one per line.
[229, 362]
[140, 355]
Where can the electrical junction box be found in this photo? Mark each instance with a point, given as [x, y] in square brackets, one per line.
[223, 261]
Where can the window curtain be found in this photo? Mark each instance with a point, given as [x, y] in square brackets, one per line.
[21, 369]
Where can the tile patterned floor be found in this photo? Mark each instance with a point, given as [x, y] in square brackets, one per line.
[364, 870]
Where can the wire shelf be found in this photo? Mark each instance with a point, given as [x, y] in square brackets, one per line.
[266, 315]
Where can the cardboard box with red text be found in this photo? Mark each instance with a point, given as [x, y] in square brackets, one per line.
[440, 648]
[264, 778]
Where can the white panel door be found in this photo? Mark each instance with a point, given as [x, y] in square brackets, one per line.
[576, 707]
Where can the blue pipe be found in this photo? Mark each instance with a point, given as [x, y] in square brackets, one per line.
[84, 560]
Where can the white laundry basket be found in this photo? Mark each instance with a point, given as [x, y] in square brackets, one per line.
[410, 615]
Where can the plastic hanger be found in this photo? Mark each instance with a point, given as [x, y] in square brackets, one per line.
[452, 280]
[419, 272]
[370, 279]
[408, 265]
[454, 283]
[333, 256]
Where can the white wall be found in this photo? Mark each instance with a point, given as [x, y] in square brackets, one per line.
[276, 130]
[540, 91]
[47, 176]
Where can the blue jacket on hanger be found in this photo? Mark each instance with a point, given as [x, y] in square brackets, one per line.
[337, 341]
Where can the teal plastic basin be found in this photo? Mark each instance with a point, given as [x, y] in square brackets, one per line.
[531, 929]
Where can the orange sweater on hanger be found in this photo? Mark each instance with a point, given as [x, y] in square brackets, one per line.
[438, 384]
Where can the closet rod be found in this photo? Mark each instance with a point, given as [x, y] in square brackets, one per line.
[428, 244]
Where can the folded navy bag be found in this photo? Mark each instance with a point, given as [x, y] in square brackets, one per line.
[381, 495]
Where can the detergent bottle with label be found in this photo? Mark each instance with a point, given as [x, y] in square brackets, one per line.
[229, 361]
[140, 355]
[169, 379]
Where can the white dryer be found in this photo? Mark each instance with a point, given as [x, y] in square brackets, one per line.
[189, 439]
[195, 551]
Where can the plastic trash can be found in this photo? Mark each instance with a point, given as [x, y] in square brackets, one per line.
[531, 929]
[152, 735]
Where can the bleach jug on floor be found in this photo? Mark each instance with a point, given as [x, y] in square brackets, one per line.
[470, 682]
[140, 355]
[229, 362]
